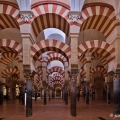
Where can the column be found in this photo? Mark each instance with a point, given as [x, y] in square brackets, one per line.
[66, 92]
[44, 87]
[116, 92]
[1, 94]
[66, 83]
[28, 77]
[108, 89]
[44, 78]
[73, 65]
[29, 99]
[63, 92]
[73, 98]
[87, 68]
[7, 92]
[41, 92]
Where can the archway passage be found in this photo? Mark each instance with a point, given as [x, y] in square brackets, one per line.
[8, 57]
[56, 56]
[49, 45]
[97, 46]
[104, 14]
[8, 21]
[99, 69]
[8, 45]
[50, 20]
[55, 69]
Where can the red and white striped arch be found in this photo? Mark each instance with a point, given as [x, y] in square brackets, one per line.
[82, 73]
[12, 11]
[8, 56]
[50, 14]
[99, 69]
[99, 57]
[103, 14]
[99, 79]
[57, 80]
[95, 56]
[55, 69]
[49, 20]
[9, 71]
[58, 74]
[11, 44]
[97, 46]
[56, 56]
[49, 45]
[51, 7]
[8, 21]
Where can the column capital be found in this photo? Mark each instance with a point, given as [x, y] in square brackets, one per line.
[75, 15]
[88, 56]
[44, 61]
[26, 15]
[74, 35]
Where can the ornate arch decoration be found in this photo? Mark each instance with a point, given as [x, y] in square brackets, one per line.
[98, 12]
[98, 46]
[11, 44]
[10, 71]
[10, 13]
[50, 14]
[56, 56]
[8, 57]
[99, 69]
[49, 45]
[55, 69]
[82, 73]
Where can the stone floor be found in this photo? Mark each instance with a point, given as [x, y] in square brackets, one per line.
[56, 110]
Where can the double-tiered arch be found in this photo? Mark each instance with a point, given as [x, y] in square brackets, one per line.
[49, 45]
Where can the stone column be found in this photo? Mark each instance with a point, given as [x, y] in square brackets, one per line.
[41, 92]
[44, 78]
[108, 89]
[7, 92]
[36, 92]
[66, 92]
[1, 94]
[87, 68]
[44, 87]
[63, 93]
[29, 77]
[116, 92]
[29, 99]
[73, 98]
[66, 83]
[73, 64]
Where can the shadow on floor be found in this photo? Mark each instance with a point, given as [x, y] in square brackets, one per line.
[101, 118]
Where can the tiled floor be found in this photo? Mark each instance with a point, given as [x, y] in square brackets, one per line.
[56, 110]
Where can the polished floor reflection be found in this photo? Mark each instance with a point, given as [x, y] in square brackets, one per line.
[56, 110]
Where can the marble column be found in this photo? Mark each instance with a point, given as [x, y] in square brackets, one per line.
[44, 87]
[108, 93]
[63, 93]
[7, 92]
[108, 89]
[23, 95]
[36, 92]
[66, 92]
[41, 92]
[1, 94]
[73, 98]
[29, 99]
[87, 68]
[116, 92]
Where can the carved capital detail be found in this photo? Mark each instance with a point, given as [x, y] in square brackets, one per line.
[74, 15]
[26, 15]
